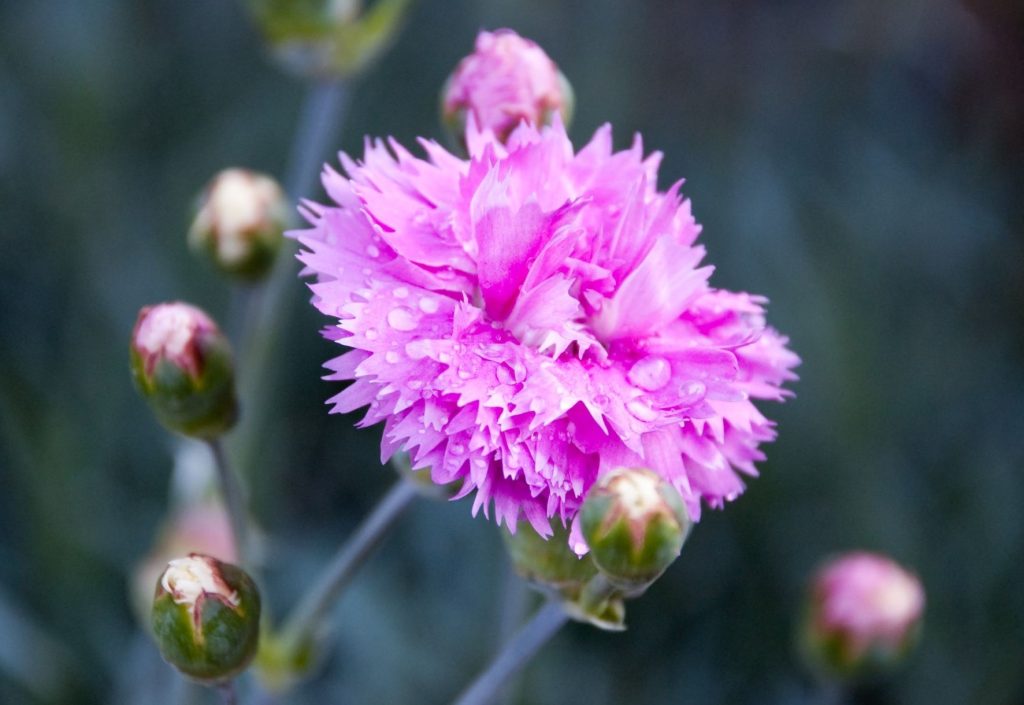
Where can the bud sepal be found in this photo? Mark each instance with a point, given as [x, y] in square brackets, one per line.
[554, 569]
[206, 618]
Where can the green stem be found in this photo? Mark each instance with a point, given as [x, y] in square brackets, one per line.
[301, 625]
[234, 502]
[265, 308]
[516, 653]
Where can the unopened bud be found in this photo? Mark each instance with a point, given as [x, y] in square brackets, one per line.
[206, 618]
[635, 524]
[240, 223]
[320, 38]
[506, 80]
[182, 365]
[863, 616]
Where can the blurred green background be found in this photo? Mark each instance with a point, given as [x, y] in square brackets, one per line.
[860, 162]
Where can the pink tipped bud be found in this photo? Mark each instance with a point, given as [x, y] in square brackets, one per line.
[864, 615]
[182, 366]
[240, 223]
[506, 80]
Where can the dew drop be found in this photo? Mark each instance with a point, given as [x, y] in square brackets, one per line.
[370, 333]
[401, 292]
[464, 373]
[641, 410]
[650, 373]
[401, 318]
[392, 356]
[428, 304]
[373, 251]
[693, 389]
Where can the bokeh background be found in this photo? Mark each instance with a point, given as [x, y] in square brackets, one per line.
[857, 161]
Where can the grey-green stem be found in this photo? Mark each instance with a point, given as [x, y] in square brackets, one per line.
[265, 307]
[227, 692]
[516, 653]
[301, 625]
[234, 500]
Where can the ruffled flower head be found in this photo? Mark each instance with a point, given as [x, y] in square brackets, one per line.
[532, 318]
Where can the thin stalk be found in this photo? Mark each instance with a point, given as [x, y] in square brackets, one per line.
[543, 625]
[514, 606]
[227, 692]
[265, 309]
[315, 605]
[234, 502]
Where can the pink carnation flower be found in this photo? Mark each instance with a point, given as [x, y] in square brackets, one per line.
[864, 602]
[533, 318]
[506, 80]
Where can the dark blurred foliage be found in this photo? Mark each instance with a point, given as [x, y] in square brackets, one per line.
[859, 162]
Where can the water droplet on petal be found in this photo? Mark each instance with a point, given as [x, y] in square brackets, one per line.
[428, 304]
[401, 292]
[402, 318]
[370, 333]
[650, 373]
[464, 373]
[417, 349]
[373, 251]
[392, 356]
[641, 410]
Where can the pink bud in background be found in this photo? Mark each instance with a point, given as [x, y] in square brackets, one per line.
[864, 615]
[506, 80]
[200, 528]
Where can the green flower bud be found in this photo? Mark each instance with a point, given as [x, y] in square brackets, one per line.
[328, 38]
[206, 618]
[635, 524]
[182, 366]
[240, 223]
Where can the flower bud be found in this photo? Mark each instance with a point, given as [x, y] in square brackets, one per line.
[182, 365]
[206, 618]
[328, 38]
[635, 524]
[506, 80]
[240, 223]
[863, 616]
